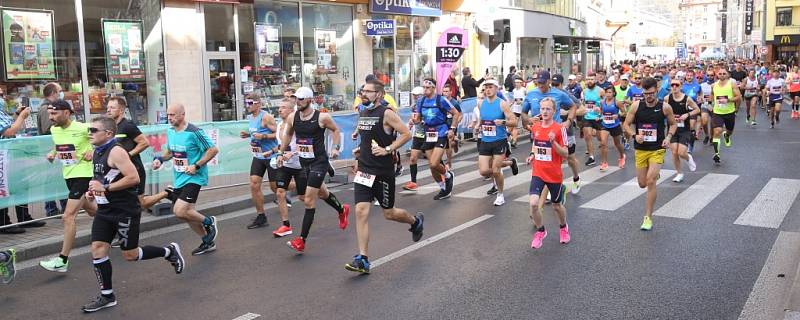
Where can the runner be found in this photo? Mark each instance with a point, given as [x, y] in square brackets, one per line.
[495, 117]
[620, 95]
[308, 126]
[113, 194]
[374, 178]
[547, 153]
[8, 265]
[519, 94]
[72, 148]
[649, 117]
[290, 172]
[133, 141]
[750, 92]
[793, 81]
[611, 126]
[707, 106]
[776, 87]
[691, 88]
[431, 111]
[726, 97]
[190, 150]
[683, 107]
[591, 116]
[263, 145]
[418, 131]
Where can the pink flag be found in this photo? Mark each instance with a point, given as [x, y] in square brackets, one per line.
[452, 44]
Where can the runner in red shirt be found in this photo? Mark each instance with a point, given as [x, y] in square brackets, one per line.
[548, 152]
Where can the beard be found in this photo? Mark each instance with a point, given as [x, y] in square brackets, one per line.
[590, 85]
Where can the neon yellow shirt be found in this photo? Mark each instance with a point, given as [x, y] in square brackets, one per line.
[71, 144]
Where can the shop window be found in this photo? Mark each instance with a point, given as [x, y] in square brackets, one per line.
[328, 54]
[423, 41]
[220, 33]
[784, 16]
[40, 46]
[125, 57]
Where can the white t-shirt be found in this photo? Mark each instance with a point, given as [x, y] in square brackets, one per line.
[294, 161]
[519, 96]
[775, 86]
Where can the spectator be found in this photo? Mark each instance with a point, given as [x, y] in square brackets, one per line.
[452, 83]
[509, 83]
[52, 92]
[469, 84]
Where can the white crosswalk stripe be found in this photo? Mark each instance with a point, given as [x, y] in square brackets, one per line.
[689, 203]
[771, 204]
[434, 187]
[587, 177]
[425, 173]
[509, 182]
[622, 194]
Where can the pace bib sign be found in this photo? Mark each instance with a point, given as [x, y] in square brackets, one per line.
[451, 46]
[380, 27]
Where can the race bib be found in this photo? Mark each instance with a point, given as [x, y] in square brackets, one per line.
[305, 148]
[648, 131]
[543, 151]
[776, 90]
[722, 101]
[66, 154]
[679, 121]
[608, 118]
[179, 161]
[255, 148]
[488, 128]
[638, 97]
[431, 135]
[364, 179]
[100, 197]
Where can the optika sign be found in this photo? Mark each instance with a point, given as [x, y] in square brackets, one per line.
[428, 8]
[380, 27]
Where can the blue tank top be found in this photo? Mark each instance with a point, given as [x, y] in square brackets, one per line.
[609, 110]
[491, 111]
[692, 90]
[591, 98]
[259, 146]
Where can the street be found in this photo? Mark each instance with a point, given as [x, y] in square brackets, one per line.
[712, 236]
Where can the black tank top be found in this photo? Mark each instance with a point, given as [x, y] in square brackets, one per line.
[310, 139]
[122, 201]
[650, 123]
[370, 128]
[680, 108]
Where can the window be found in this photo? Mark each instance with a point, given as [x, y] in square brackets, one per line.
[784, 16]
[705, 8]
[220, 35]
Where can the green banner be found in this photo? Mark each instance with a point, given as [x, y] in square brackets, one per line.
[28, 45]
[124, 50]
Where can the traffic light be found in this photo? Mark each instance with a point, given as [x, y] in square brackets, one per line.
[502, 31]
[633, 47]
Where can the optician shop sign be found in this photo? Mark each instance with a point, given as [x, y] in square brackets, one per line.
[427, 8]
[380, 27]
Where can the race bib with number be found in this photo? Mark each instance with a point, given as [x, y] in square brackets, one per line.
[305, 148]
[638, 97]
[431, 135]
[722, 101]
[180, 161]
[608, 118]
[648, 131]
[543, 151]
[255, 148]
[364, 179]
[66, 154]
[488, 128]
[776, 90]
[679, 121]
[100, 197]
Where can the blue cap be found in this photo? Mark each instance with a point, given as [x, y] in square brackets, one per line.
[544, 76]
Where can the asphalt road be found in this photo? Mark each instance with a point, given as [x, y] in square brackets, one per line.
[702, 267]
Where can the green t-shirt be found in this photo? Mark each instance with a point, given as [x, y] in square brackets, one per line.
[71, 144]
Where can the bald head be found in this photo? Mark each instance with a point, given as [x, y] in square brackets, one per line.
[176, 114]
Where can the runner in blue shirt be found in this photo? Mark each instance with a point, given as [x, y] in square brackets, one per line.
[591, 116]
[691, 88]
[190, 150]
[264, 146]
[611, 126]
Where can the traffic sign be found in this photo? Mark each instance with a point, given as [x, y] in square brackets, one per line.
[763, 50]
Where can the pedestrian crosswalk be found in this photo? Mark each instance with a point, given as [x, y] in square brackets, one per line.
[771, 204]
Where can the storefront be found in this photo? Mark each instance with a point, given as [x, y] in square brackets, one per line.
[785, 48]
[94, 49]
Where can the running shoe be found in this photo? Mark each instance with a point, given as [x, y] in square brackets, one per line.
[211, 230]
[538, 237]
[55, 264]
[513, 145]
[398, 171]
[441, 195]
[8, 269]
[416, 228]
[500, 200]
[514, 166]
[449, 182]
[727, 139]
[772, 125]
[171, 196]
[621, 162]
[706, 140]
[603, 166]
[627, 146]
[678, 178]
[487, 178]
[590, 161]
[492, 191]
[717, 159]
[297, 244]
[691, 163]
[288, 201]
[282, 231]
[410, 186]
[576, 187]
[175, 257]
[99, 303]
[754, 123]
[563, 234]
[359, 264]
[647, 224]
[204, 248]
[259, 221]
[343, 216]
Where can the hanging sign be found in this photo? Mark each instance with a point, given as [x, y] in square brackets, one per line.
[451, 46]
[28, 45]
[124, 50]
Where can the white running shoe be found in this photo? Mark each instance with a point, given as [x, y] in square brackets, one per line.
[678, 178]
[692, 165]
[576, 187]
[500, 200]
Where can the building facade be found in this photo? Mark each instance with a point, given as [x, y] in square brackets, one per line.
[782, 30]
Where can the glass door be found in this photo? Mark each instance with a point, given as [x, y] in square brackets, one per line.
[405, 77]
[222, 89]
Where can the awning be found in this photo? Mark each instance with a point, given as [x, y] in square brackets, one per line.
[579, 38]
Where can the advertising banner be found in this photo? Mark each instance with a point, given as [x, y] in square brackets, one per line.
[451, 46]
[28, 45]
[383, 27]
[268, 47]
[124, 54]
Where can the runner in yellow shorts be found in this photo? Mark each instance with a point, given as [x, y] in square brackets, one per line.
[645, 158]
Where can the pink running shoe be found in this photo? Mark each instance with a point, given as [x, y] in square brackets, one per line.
[538, 237]
[564, 234]
[621, 162]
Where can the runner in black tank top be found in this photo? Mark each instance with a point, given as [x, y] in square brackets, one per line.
[684, 108]
[112, 192]
[375, 177]
[308, 126]
[646, 124]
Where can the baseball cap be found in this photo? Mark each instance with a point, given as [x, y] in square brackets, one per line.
[543, 77]
[625, 77]
[303, 93]
[572, 77]
[61, 105]
[417, 91]
[492, 82]
[557, 79]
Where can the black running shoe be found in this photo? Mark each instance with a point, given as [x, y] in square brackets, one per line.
[259, 221]
[359, 264]
[706, 140]
[171, 196]
[442, 195]
[448, 182]
[99, 303]
[492, 191]
[211, 231]
[204, 248]
[717, 159]
[514, 166]
[398, 171]
[416, 229]
[175, 257]
[590, 162]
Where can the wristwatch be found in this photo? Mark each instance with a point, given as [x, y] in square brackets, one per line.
[388, 148]
[106, 186]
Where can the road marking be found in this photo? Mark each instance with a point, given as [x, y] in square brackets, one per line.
[427, 171]
[689, 203]
[247, 316]
[587, 177]
[767, 299]
[771, 204]
[425, 242]
[624, 193]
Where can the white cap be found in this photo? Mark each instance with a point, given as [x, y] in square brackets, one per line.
[680, 75]
[492, 82]
[572, 77]
[417, 91]
[625, 77]
[303, 93]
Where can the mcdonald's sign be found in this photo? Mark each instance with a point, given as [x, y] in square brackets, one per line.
[787, 39]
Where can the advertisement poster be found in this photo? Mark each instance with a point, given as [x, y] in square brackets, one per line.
[325, 44]
[268, 47]
[124, 55]
[450, 48]
[28, 45]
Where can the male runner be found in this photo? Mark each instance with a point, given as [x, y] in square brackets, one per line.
[263, 145]
[726, 97]
[750, 93]
[289, 171]
[548, 151]
[432, 110]
[649, 116]
[610, 126]
[793, 81]
[113, 193]
[495, 117]
[591, 116]
[707, 105]
[776, 88]
[72, 148]
[374, 178]
[190, 149]
[308, 126]
[518, 94]
[683, 107]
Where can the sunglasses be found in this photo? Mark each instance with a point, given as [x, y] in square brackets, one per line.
[675, 85]
[249, 102]
[300, 99]
[652, 93]
[95, 130]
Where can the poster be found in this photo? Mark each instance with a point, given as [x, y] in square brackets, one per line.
[28, 45]
[124, 55]
[268, 47]
[451, 46]
[325, 45]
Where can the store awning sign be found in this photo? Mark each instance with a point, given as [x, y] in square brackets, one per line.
[450, 48]
[384, 27]
[427, 8]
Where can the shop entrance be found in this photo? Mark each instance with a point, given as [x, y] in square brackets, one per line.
[222, 86]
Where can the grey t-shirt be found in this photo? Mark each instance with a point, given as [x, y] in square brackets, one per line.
[43, 123]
